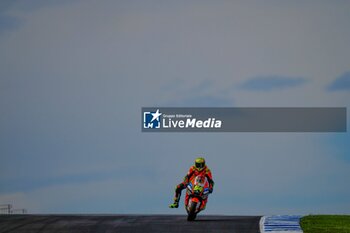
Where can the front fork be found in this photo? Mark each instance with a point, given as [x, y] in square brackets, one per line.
[194, 199]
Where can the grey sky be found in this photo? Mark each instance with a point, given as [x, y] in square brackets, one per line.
[74, 76]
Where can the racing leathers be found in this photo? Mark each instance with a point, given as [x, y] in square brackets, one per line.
[192, 172]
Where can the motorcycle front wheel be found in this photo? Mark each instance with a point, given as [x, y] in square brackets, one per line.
[192, 211]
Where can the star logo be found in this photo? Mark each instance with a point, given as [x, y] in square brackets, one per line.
[151, 119]
[156, 115]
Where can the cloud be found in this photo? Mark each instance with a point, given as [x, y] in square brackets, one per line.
[269, 83]
[341, 83]
[11, 12]
[205, 93]
[7, 21]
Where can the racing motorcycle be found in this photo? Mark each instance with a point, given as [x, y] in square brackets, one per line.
[196, 196]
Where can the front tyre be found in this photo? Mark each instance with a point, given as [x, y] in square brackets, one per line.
[192, 211]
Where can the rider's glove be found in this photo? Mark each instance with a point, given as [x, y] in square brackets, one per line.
[210, 190]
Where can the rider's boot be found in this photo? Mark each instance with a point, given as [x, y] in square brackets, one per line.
[176, 203]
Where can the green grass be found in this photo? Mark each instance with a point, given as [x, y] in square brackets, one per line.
[326, 224]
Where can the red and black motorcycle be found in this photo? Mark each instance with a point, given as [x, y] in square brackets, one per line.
[196, 196]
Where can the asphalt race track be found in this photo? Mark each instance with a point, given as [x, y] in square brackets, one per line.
[126, 223]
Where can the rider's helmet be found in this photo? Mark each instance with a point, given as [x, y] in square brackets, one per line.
[199, 163]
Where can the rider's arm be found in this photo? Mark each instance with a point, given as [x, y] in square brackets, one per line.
[188, 175]
[210, 178]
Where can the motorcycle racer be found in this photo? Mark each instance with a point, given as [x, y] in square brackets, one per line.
[199, 168]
